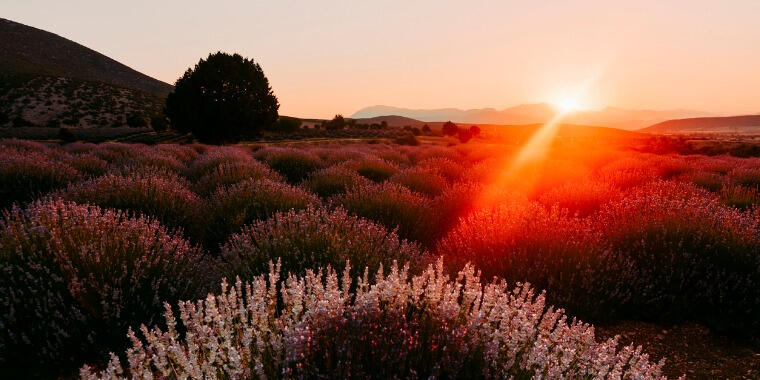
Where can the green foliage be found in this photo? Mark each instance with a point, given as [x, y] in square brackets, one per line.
[225, 98]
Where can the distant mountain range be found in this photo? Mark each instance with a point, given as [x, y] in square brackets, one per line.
[534, 113]
[46, 79]
[729, 124]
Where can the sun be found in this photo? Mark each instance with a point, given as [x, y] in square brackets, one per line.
[568, 104]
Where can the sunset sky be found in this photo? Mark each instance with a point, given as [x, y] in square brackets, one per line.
[328, 57]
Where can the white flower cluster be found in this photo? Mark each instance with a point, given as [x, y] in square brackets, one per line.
[307, 327]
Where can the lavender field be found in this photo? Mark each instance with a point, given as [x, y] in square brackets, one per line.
[365, 260]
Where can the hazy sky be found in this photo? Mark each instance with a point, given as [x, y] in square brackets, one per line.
[327, 57]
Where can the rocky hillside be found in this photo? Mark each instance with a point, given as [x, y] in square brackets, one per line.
[47, 80]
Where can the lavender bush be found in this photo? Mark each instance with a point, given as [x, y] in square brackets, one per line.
[74, 277]
[397, 326]
[314, 238]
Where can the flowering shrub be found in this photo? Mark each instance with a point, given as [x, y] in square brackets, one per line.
[741, 197]
[148, 193]
[706, 180]
[313, 238]
[627, 173]
[394, 156]
[421, 180]
[75, 277]
[580, 198]
[746, 175]
[230, 173]
[389, 204]
[338, 154]
[518, 241]
[449, 169]
[424, 326]
[216, 156]
[183, 153]
[230, 208]
[681, 254]
[333, 180]
[87, 164]
[373, 169]
[294, 164]
[430, 151]
[25, 175]
[116, 152]
[665, 251]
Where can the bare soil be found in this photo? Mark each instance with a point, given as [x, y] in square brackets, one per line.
[690, 349]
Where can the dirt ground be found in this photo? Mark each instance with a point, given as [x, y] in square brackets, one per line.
[690, 349]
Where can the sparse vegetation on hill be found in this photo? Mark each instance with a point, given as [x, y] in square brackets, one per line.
[49, 81]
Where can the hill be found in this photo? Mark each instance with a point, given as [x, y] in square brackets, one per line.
[46, 79]
[729, 124]
[534, 114]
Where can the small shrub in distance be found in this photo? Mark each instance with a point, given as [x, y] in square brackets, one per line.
[312, 238]
[449, 129]
[74, 275]
[407, 139]
[159, 123]
[288, 124]
[136, 120]
[397, 326]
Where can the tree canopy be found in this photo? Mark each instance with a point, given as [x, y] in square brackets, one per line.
[225, 98]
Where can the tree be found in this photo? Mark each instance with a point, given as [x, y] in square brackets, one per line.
[449, 129]
[338, 122]
[474, 130]
[426, 128]
[288, 124]
[223, 99]
[383, 124]
[416, 131]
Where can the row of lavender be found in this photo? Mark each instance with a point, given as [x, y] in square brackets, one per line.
[621, 235]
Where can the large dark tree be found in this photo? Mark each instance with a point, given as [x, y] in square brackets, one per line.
[223, 99]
